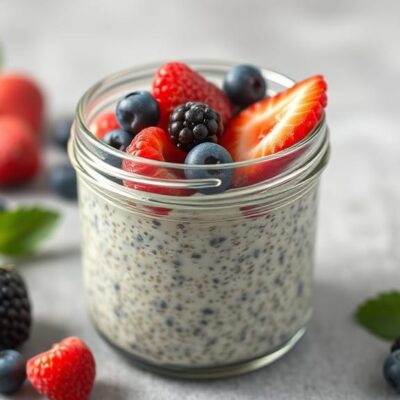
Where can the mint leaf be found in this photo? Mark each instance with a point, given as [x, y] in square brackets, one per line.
[22, 229]
[381, 315]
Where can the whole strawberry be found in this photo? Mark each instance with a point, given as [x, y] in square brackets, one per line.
[175, 83]
[19, 151]
[66, 372]
[21, 97]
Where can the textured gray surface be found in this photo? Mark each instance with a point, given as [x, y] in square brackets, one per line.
[70, 44]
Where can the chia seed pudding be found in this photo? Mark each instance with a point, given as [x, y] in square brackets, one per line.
[193, 293]
[199, 269]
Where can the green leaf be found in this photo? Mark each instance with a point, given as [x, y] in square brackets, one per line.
[381, 315]
[22, 229]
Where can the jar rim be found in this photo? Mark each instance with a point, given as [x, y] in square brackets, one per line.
[268, 73]
[86, 144]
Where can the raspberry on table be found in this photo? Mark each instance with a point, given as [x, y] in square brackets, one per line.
[193, 123]
[66, 372]
[15, 310]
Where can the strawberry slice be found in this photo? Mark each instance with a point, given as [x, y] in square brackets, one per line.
[153, 143]
[272, 125]
[175, 83]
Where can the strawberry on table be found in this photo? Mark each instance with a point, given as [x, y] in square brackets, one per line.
[272, 125]
[175, 83]
[153, 143]
[19, 151]
[66, 372]
[21, 97]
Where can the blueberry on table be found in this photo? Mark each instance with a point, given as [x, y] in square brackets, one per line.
[62, 131]
[12, 371]
[210, 154]
[395, 345]
[62, 180]
[244, 85]
[137, 110]
[119, 139]
[391, 370]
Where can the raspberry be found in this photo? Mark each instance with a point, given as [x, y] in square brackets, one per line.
[15, 310]
[194, 123]
[19, 151]
[66, 372]
[175, 83]
[103, 124]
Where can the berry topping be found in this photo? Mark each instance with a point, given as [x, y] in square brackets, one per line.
[391, 370]
[136, 111]
[66, 372]
[62, 131]
[193, 123]
[104, 123]
[119, 139]
[153, 143]
[15, 310]
[62, 180]
[12, 371]
[21, 97]
[274, 124]
[207, 154]
[19, 151]
[244, 85]
[175, 83]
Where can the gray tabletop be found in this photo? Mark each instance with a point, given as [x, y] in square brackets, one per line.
[68, 45]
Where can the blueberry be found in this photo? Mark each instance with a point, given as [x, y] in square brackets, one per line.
[244, 85]
[2, 205]
[391, 370]
[137, 110]
[12, 371]
[210, 153]
[119, 139]
[62, 131]
[62, 180]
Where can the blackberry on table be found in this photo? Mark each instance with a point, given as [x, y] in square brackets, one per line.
[193, 123]
[15, 309]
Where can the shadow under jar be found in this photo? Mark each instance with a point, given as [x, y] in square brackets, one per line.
[196, 286]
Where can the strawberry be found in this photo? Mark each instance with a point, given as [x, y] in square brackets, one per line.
[19, 151]
[153, 143]
[274, 124]
[103, 124]
[66, 372]
[175, 83]
[20, 96]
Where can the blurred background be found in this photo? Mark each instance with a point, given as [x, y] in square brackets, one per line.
[68, 45]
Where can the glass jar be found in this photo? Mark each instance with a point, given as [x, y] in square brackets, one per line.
[196, 286]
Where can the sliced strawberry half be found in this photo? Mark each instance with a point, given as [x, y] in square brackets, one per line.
[175, 83]
[153, 143]
[272, 125]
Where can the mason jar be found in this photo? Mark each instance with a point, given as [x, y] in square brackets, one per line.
[196, 286]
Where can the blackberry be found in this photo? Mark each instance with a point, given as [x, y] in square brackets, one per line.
[193, 123]
[395, 345]
[15, 310]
